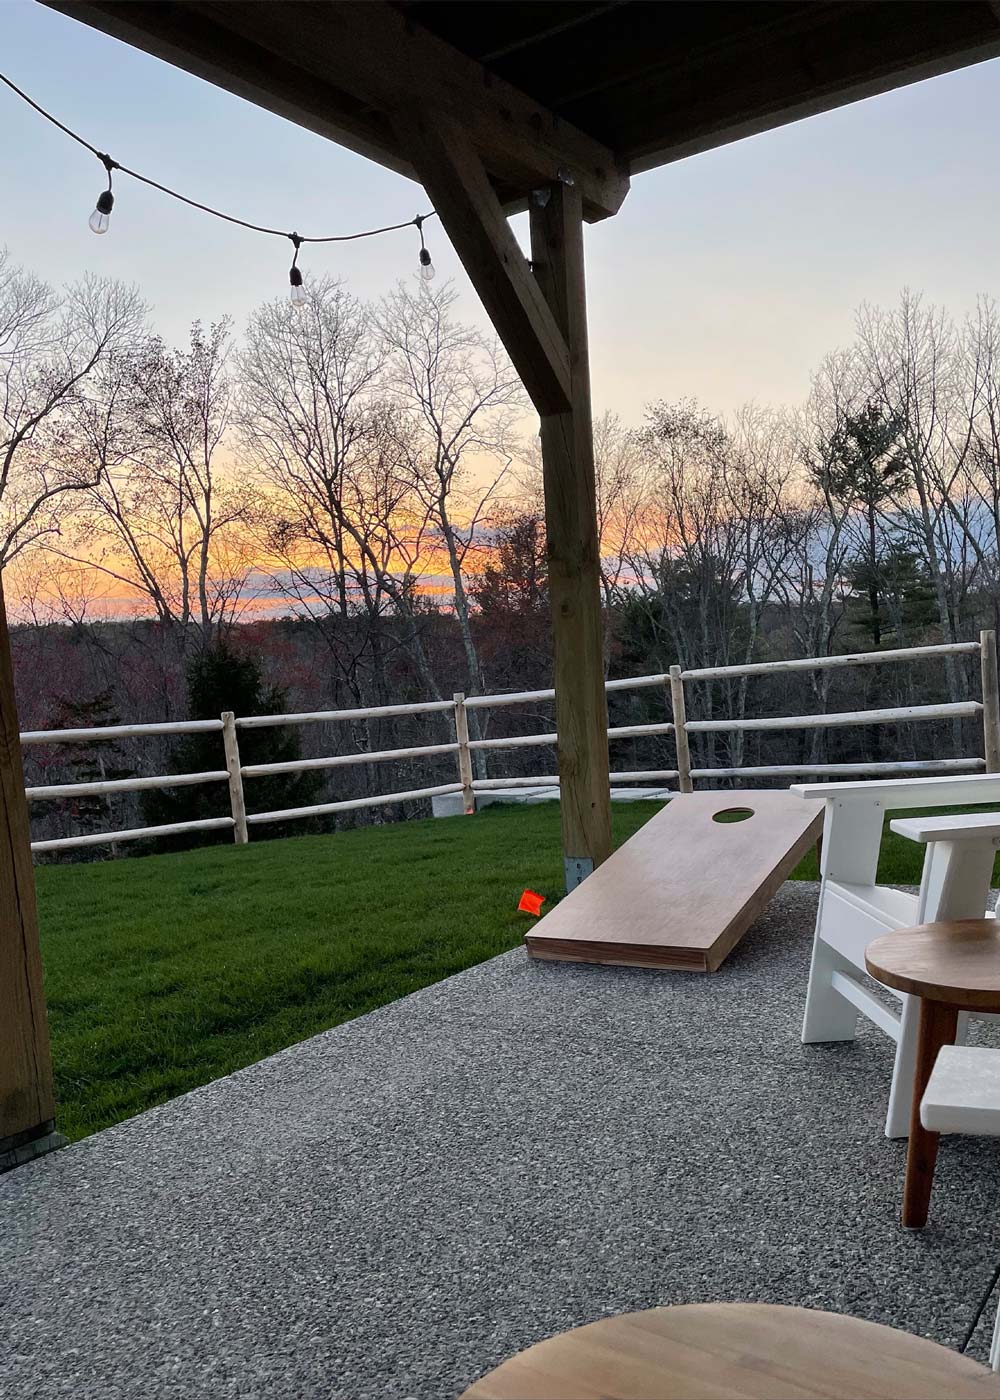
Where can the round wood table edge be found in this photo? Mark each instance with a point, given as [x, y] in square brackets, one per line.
[981, 1379]
[964, 998]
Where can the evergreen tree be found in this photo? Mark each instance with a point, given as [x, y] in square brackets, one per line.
[94, 761]
[511, 595]
[220, 678]
[862, 468]
[514, 582]
[903, 591]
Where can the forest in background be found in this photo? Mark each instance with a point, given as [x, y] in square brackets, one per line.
[342, 507]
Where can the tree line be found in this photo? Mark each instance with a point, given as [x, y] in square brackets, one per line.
[347, 499]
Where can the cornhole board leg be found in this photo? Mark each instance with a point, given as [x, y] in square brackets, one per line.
[682, 892]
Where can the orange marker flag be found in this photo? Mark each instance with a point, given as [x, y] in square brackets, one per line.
[531, 903]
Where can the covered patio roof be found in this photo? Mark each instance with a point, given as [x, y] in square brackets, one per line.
[496, 107]
[603, 88]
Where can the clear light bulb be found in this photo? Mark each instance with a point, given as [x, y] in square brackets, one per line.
[101, 217]
[426, 266]
[298, 293]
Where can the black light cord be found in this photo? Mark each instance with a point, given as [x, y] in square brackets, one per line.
[295, 238]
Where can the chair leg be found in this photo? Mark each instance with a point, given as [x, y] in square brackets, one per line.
[938, 1024]
[828, 1015]
[897, 1119]
[995, 1344]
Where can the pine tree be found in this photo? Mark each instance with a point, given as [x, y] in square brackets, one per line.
[511, 596]
[220, 678]
[904, 591]
[863, 468]
[94, 761]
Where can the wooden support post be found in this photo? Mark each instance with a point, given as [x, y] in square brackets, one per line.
[684, 783]
[464, 753]
[27, 1096]
[573, 544]
[236, 799]
[991, 701]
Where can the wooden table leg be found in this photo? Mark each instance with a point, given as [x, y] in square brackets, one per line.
[938, 1026]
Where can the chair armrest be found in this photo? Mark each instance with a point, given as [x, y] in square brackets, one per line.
[897, 793]
[963, 826]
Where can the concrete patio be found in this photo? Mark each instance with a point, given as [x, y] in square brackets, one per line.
[392, 1208]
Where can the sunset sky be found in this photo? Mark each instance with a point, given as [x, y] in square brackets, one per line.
[726, 276]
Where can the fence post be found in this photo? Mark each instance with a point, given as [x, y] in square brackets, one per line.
[991, 702]
[236, 800]
[464, 753]
[684, 783]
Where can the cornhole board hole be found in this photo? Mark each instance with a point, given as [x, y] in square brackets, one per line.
[683, 891]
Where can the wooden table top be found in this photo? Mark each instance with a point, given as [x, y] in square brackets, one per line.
[736, 1351]
[957, 962]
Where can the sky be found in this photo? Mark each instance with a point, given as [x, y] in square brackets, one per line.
[725, 277]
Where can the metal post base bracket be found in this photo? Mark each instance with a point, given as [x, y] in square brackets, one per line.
[577, 869]
[25, 1147]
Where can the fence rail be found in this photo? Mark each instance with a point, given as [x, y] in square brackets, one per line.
[672, 684]
[98, 838]
[904, 714]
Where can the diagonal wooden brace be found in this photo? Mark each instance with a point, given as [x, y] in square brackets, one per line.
[453, 175]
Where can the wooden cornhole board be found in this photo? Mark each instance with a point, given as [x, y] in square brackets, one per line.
[684, 889]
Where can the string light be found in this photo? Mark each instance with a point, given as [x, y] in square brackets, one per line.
[299, 298]
[101, 216]
[426, 266]
[100, 219]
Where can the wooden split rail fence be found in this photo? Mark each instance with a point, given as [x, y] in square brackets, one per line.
[672, 684]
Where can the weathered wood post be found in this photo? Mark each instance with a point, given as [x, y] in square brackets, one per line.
[684, 783]
[573, 544]
[237, 802]
[27, 1095]
[991, 700]
[464, 753]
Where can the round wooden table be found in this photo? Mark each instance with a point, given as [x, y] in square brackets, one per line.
[952, 967]
[736, 1351]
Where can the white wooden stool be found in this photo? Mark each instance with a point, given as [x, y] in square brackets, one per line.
[963, 1096]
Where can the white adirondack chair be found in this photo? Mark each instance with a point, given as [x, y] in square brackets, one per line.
[854, 910]
[963, 1096]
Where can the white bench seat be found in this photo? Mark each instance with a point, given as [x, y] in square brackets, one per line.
[858, 914]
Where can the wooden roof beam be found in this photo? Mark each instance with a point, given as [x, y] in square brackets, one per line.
[358, 60]
[175, 33]
[382, 57]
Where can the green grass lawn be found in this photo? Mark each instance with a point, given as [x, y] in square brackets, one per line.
[164, 972]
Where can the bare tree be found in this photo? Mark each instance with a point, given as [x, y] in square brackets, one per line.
[338, 514]
[760, 473]
[978, 509]
[910, 360]
[618, 463]
[461, 401]
[165, 518]
[54, 350]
